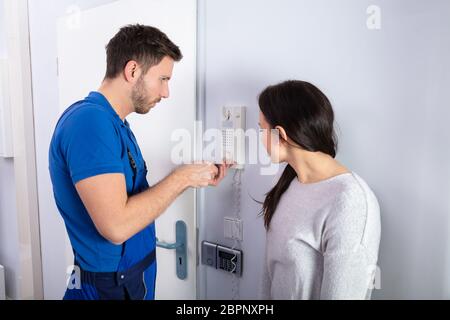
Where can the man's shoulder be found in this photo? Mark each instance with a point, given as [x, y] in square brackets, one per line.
[84, 112]
[84, 120]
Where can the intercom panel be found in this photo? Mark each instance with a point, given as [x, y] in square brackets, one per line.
[221, 257]
[209, 253]
[233, 135]
[229, 260]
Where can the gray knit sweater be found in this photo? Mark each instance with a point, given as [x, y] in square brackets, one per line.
[323, 241]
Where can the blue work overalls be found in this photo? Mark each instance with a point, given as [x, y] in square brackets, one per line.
[135, 278]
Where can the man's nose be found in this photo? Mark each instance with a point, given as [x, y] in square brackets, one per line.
[165, 92]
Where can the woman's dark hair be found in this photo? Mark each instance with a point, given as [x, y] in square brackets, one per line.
[147, 45]
[307, 116]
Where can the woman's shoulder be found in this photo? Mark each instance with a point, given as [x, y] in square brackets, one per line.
[355, 209]
[353, 191]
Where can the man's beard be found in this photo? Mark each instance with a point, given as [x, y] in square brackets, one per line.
[140, 99]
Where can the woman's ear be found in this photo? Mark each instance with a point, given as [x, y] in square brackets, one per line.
[282, 133]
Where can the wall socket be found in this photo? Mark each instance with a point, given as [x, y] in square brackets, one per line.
[233, 228]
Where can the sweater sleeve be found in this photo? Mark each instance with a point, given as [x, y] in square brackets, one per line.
[347, 276]
[264, 290]
[349, 262]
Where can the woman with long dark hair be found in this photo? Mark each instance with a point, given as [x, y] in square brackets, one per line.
[322, 220]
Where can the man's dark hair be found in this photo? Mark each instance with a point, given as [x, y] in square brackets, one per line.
[144, 44]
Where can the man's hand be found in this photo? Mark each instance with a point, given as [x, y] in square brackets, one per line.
[202, 174]
[223, 168]
[197, 175]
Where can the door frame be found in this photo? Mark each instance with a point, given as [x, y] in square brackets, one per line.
[29, 274]
[200, 117]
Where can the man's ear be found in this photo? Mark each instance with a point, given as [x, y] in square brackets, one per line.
[131, 71]
[282, 132]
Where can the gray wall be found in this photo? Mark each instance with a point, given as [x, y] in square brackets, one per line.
[2, 31]
[389, 88]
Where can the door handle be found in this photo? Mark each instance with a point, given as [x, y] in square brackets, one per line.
[180, 247]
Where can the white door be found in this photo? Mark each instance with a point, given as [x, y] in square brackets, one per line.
[81, 59]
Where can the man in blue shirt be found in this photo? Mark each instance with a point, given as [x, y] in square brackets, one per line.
[99, 175]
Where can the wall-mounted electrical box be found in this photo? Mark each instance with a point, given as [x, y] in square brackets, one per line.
[221, 257]
[6, 141]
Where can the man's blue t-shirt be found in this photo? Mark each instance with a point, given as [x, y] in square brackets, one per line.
[90, 139]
